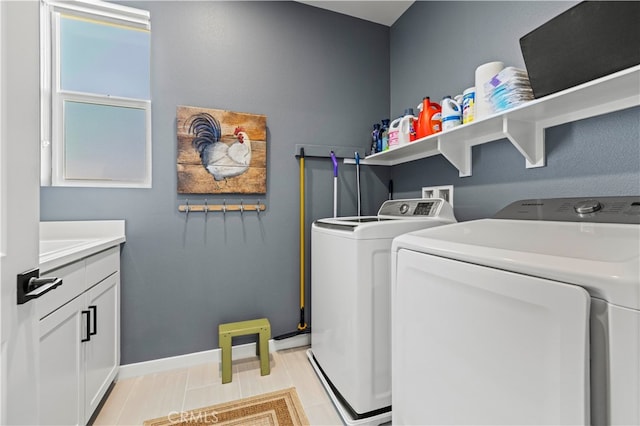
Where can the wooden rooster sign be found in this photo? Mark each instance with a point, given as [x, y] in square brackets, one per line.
[221, 152]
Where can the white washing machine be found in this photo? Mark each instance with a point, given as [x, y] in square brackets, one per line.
[351, 303]
[531, 317]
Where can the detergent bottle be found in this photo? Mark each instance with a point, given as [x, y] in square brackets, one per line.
[468, 105]
[451, 113]
[375, 136]
[430, 119]
[394, 133]
[407, 127]
[384, 131]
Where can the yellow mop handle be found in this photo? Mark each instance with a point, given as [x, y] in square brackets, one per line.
[302, 325]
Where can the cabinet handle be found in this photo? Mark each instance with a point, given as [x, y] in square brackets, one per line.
[88, 324]
[94, 308]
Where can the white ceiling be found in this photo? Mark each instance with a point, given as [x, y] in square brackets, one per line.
[378, 11]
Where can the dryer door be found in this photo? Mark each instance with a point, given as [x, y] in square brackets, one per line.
[477, 345]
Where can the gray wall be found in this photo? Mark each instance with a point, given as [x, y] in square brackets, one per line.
[435, 49]
[321, 79]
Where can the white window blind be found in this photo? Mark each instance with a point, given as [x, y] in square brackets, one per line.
[96, 100]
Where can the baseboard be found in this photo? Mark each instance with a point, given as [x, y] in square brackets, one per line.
[182, 361]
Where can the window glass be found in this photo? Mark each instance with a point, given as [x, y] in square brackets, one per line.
[95, 94]
[104, 142]
[104, 58]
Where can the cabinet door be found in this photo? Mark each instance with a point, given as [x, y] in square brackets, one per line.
[102, 351]
[61, 384]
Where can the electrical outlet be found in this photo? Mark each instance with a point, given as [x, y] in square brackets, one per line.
[445, 192]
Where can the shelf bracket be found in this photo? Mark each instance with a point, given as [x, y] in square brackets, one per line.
[527, 138]
[458, 154]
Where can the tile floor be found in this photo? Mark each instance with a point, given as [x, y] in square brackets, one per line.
[141, 398]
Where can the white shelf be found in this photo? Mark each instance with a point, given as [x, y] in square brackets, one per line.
[523, 125]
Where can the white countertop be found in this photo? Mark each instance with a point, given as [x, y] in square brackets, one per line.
[66, 242]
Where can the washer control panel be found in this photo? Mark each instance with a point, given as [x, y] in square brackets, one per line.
[411, 208]
[624, 209]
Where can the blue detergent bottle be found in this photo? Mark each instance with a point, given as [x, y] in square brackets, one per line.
[376, 141]
[384, 132]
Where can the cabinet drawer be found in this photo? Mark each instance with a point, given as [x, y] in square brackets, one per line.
[101, 265]
[73, 284]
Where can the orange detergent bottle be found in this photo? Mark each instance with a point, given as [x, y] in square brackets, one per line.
[430, 118]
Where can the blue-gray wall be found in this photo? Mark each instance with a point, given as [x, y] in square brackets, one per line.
[435, 49]
[323, 79]
[320, 78]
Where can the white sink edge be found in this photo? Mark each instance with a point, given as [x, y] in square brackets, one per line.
[52, 260]
[63, 242]
[81, 230]
[48, 247]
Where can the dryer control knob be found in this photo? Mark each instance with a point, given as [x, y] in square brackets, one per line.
[587, 206]
[404, 208]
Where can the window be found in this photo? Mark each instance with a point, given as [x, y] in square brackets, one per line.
[96, 95]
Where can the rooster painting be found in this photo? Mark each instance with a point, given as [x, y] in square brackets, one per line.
[220, 151]
[221, 160]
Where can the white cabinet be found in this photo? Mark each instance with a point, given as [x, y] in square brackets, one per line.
[101, 352]
[79, 347]
[60, 379]
[523, 125]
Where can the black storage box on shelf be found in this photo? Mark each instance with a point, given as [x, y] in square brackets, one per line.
[588, 41]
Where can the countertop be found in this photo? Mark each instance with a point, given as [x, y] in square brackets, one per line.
[65, 242]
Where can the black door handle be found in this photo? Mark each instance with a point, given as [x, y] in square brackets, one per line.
[94, 308]
[32, 286]
[88, 324]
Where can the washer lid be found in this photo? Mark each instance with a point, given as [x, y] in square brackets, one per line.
[375, 227]
[603, 258]
[395, 217]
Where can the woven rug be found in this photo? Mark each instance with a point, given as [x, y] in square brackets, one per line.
[276, 408]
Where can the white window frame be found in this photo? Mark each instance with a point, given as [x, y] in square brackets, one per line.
[53, 98]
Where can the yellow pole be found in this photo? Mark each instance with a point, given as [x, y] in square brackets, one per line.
[302, 325]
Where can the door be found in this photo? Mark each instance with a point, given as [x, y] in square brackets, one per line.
[19, 205]
[477, 345]
[102, 351]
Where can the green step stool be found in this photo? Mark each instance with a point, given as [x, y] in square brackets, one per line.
[242, 328]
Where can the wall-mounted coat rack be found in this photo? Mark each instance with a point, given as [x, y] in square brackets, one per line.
[324, 151]
[224, 207]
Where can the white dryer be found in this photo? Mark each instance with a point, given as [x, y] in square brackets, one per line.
[531, 317]
[351, 303]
